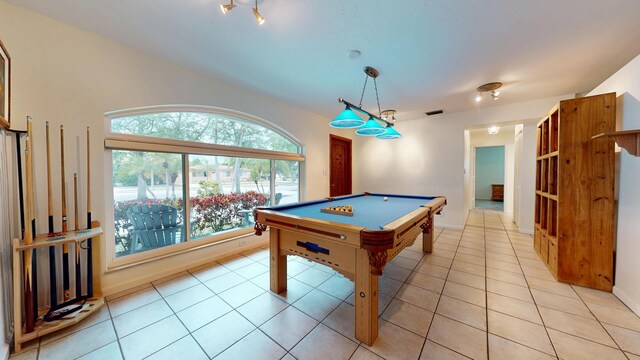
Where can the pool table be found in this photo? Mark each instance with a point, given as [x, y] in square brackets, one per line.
[356, 246]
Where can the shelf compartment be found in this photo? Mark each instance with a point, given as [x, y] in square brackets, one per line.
[537, 209]
[544, 176]
[553, 175]
[543, 212]
[538, 175]
[545, 137]
[553, 218]
[553, 129]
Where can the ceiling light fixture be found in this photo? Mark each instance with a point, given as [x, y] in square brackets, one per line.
[491, 88]
[227, 7]
[252, 3]
[386, 114]
[259, 18]
[493, 130]
[349, 119]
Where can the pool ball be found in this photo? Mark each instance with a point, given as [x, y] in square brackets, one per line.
[386, 198]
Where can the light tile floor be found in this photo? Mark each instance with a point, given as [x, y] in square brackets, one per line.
[483, 293]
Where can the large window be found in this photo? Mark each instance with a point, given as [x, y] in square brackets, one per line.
[225, 163]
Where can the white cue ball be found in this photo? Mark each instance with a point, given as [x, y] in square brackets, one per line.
[386, 198]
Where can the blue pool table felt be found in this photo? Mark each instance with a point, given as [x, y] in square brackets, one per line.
[370, 211]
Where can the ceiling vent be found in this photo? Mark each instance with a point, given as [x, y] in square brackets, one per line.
[434, 112]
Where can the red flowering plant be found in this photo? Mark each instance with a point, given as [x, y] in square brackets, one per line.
[222, 212]
[209, 214]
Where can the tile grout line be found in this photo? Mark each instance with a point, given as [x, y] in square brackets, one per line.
[486, 285]
[426, 338]
[534, 301]
[584, 303]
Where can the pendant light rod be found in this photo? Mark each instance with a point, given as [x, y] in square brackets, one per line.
[365, 112]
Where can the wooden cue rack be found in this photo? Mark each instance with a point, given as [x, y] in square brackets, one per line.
[92, 304]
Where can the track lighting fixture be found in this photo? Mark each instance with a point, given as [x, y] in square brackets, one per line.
[227, 7]
[250, 3]
[491, 88]
[256, 13]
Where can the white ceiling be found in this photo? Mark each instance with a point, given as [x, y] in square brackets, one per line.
[431, 54]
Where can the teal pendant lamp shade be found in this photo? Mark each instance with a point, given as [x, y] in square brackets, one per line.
[390, 134]
[347, 119]
[371, 128]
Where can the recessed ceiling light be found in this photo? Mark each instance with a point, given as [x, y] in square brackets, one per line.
[354, 54]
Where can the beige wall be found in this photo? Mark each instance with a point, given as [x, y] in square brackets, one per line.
[626, 83]
[72, 77]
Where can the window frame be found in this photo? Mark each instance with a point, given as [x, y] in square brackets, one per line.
[128, 142]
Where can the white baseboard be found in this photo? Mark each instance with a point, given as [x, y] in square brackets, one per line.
[124, 286]
[6, 351]
[526, 231]
[627, 300]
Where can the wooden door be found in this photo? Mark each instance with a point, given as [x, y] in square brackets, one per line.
[340, 168]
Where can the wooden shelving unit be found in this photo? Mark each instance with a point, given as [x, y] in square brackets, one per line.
[627, 139]
[93, 304]
[574, 197]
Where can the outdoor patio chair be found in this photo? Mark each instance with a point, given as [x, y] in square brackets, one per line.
[152, 226]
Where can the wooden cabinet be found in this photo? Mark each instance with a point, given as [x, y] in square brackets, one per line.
[497, 192]
[574, 199]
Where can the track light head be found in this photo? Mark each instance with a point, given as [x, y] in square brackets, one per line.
[256, 13]
[227, 7]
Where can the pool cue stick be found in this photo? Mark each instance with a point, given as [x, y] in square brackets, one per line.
[30, 315]
[52, 249]
[34, 215]
[89, 241]
[65, 246]
[77, 245]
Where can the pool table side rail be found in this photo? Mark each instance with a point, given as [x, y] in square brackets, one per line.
[434, 206]
[349, 234]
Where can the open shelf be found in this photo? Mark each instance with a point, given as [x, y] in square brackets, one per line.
[553, 175]
[544, 170]
[554, 132]
[545, 137]
[626, 139]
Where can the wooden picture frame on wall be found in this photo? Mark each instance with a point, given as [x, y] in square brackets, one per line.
[5, 87]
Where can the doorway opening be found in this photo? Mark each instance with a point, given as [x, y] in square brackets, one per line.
[490, 175]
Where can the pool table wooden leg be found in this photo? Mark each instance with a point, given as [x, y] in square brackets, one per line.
[366, 298]
[277, 263]
[427, 235]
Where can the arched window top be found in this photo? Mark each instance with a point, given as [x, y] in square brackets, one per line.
[203, 124]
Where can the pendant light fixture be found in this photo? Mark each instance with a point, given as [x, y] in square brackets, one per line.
[371, 128]
[389, 134]
[349, 119]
